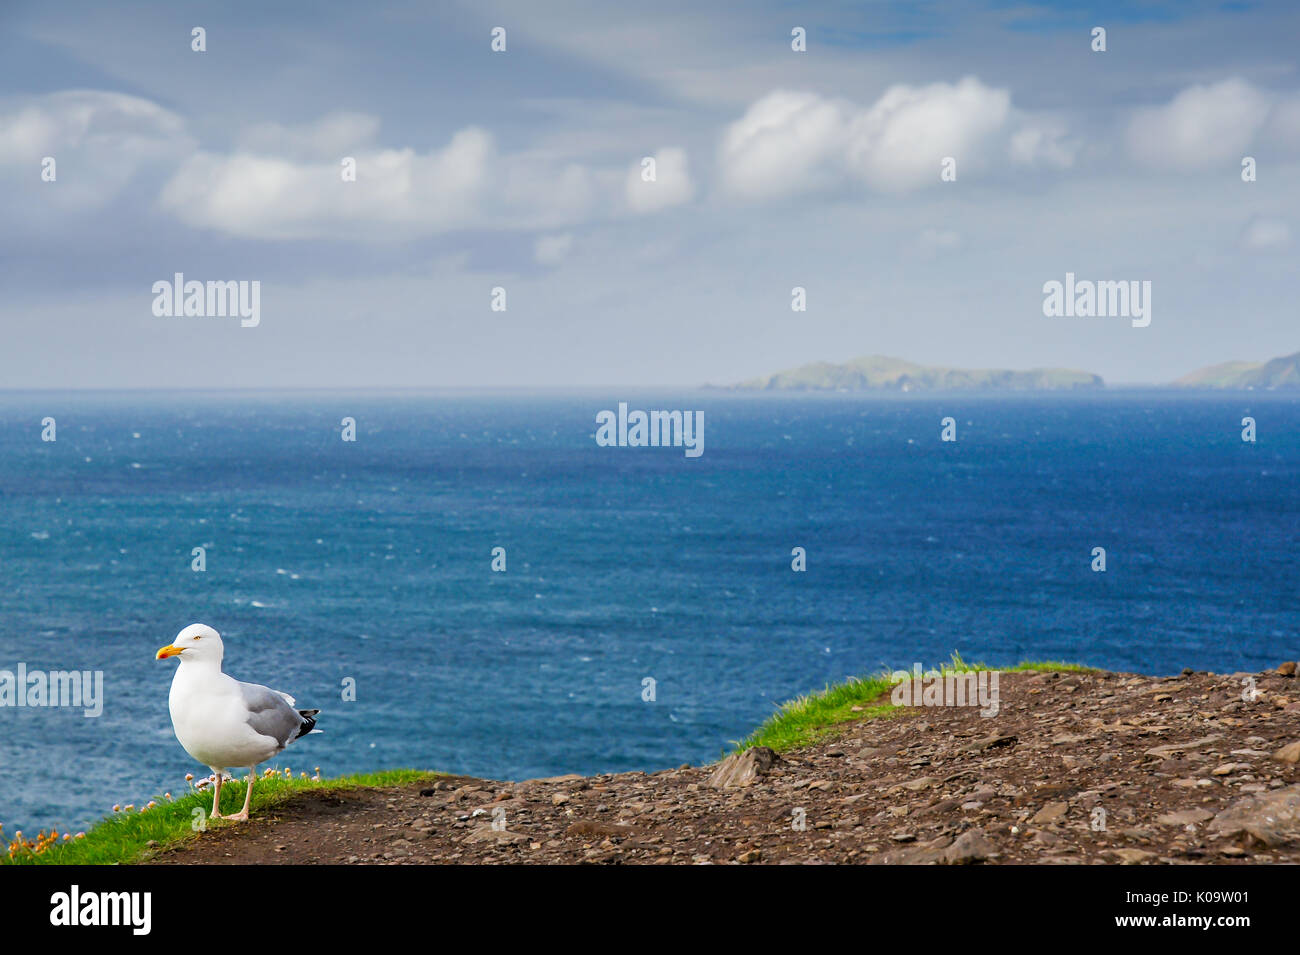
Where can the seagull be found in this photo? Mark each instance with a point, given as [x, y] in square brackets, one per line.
[224, 723]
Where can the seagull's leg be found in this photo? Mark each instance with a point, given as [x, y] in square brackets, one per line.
[216, 798]
[242, 815]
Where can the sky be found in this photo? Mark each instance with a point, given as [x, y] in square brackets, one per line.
[524, 169]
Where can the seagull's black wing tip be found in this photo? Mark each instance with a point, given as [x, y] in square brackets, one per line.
[308, 722]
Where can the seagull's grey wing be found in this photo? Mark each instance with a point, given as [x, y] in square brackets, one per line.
[270, 714]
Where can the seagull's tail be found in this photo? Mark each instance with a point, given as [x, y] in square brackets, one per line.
[308, 723]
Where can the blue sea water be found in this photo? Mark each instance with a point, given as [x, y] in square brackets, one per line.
[371, 560]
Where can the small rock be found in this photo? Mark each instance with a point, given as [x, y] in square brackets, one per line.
[486, 833]
[926, 853]
[996, 741]
[1290, 753]
[1172, 748]
[1050, 813]
[1185, 817]
[970, 846]
[1227, 769]
[743, 769]
[1271, 819]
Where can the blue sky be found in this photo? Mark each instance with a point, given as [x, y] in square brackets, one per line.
[521, 169]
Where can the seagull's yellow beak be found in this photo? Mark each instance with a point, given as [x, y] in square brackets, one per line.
[168, 651]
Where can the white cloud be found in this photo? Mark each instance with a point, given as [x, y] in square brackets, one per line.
[32, 127]
[786, 143]
[1201, 126]
[791, 142]
[899, 142]
[671, 186]
[261, 196]
[99, 140]
[398, 193]
[284, 182]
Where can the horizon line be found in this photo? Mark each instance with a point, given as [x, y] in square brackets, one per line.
[571, 389]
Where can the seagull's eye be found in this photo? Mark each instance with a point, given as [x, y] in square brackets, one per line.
[198, 638]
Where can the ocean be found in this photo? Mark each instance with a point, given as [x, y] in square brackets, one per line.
[367, 564]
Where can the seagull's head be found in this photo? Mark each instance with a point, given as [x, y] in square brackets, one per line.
[198, 641]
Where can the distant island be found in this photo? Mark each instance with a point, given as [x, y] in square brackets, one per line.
[881, 373]
[1281, 372]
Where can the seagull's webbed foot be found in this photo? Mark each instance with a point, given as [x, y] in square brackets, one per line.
[241, 816]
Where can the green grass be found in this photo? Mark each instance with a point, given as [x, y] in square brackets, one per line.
[125, 836]
[1047, 666]
[822, 715]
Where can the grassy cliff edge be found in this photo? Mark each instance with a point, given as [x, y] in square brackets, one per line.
[134, 836]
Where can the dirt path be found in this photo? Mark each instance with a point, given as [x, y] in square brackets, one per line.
[1074, 768]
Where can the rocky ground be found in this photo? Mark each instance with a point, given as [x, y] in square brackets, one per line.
[1075, 768]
